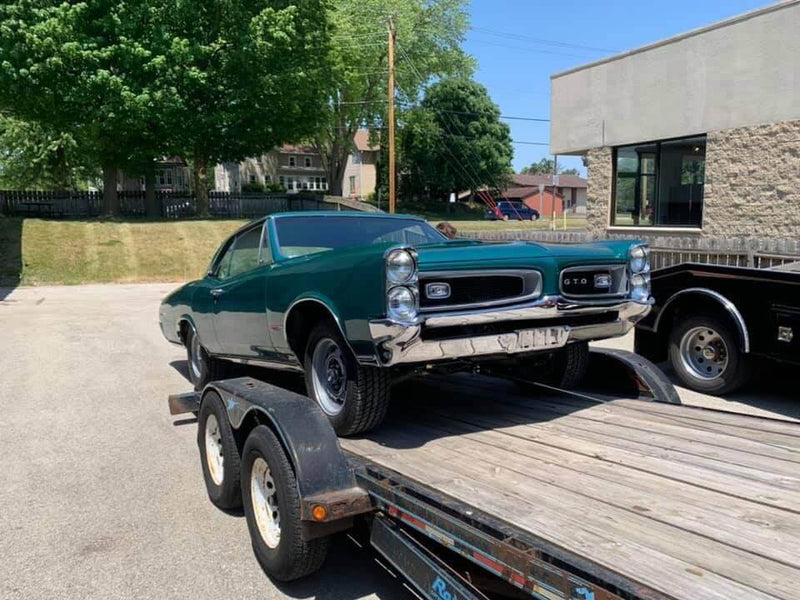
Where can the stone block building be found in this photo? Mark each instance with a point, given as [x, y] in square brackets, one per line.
[696, 136]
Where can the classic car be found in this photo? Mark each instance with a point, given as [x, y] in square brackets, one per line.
[713, 322]
[356, 299]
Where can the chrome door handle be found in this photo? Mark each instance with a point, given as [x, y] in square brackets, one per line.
[217, 292]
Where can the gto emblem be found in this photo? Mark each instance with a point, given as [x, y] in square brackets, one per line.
[437, 291]
[576, 281]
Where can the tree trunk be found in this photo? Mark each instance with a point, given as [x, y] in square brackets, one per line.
[110, 196]
[337, 163]
[150, 200]
[200, 189]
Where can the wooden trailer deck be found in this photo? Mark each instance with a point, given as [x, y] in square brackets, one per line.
[693, 503]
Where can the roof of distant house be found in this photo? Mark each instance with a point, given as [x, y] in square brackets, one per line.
[297, 149]
[569, 181]
[362, 141]
[520, 193]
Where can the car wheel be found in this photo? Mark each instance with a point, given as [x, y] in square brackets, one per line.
[704, 353]
[219, 453]
[564, 368]
[203, 367]
[534, 217]
[354, 398]
[272, 510]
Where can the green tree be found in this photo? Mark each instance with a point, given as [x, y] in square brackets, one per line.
[31, 157]
[429, 34]
[249, 75]
[545, 167]
[455, 140]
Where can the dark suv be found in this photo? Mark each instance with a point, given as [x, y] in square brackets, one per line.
[512, 210]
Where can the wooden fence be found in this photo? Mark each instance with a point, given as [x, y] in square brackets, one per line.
[173, 205]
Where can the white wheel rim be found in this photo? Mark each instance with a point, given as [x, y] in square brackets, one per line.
[265, 503]
[704, 353]
[214, 458]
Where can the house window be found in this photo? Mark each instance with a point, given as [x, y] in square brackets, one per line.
[290, 183]
[268, 178]
[280, 179]
[179, 177]
[252, 178]
[357, 158]
[659, 183]
[304, 183]
[324, 183]
[292, 161]
[352, 184]
[307, 161]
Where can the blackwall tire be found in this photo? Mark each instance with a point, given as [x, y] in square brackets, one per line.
[219, 453]
[203, 367]
[272, 510]
[354, 398]
[570, 365]
[704, 352]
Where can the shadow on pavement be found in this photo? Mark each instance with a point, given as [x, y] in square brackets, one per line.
[10, 254]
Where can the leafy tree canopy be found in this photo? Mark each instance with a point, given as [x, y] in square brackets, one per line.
[455, 140]
[429, 34]
[545, 167]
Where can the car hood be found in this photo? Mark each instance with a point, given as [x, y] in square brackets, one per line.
[474, 254]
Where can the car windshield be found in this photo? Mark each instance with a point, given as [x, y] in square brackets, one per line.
[308, 235]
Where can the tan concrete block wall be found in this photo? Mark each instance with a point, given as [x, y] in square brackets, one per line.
[598, 193]
[753, 182]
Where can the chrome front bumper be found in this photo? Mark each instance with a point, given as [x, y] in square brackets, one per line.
[402, 343]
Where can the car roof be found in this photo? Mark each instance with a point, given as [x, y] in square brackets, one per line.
[322, 213]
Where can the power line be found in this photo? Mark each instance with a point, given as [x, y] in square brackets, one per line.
[527, 38]
[534, 50]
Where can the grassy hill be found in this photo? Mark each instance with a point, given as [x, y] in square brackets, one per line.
[39, 251]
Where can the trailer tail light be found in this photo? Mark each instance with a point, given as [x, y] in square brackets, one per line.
[319, 512]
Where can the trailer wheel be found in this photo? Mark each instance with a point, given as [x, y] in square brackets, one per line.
[354, 398]
[272, 510]
[219, 453]
[704, 353]
[203, 367]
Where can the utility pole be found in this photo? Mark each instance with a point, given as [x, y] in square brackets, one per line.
[391, 117]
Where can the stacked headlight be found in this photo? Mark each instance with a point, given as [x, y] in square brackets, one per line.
[401, 285]
[639, 263]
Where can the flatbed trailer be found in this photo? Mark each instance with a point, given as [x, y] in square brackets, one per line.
[481, 487]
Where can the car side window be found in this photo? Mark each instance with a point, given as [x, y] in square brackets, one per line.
[266, 250]
[244, 254]
[223, 264]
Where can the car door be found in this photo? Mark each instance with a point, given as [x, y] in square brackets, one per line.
[240, 298]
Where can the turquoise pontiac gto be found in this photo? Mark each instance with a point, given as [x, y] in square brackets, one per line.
[354, 299]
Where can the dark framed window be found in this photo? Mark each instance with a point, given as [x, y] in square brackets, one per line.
[659, 184]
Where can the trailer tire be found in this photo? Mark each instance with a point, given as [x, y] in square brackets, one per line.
[281, 553]
[692, 354]
[203, 367]
[359, 399]
[219, 454]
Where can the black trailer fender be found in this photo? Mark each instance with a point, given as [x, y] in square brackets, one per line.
[329, 496]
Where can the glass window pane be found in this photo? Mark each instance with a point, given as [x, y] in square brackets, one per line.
[680, 188]
[245, 252]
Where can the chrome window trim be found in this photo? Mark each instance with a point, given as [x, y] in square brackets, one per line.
[621, 267]
[526, 275]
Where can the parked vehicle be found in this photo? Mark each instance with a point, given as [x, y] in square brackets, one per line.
[712, 322]
[512, 210]
[356, 299]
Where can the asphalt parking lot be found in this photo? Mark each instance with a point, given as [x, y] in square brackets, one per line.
[103, 496]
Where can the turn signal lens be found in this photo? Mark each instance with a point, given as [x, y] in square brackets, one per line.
[639, 258]
[401, 304]
[400, 266]
[319, 512]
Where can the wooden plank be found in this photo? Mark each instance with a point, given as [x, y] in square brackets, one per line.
[546, 516]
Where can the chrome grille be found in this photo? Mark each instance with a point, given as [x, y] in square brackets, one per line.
[457, 290]
[594, 281]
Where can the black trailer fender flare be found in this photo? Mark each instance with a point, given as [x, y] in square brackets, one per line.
[723, 302]
[324, 478]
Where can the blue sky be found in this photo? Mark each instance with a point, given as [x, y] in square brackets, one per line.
[516, 68]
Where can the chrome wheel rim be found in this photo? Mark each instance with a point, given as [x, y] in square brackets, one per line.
[214, 458]
[196, 357]
[704, 353]
[265, 503]
[329, 376]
